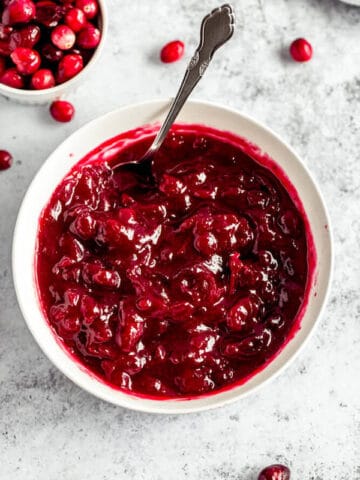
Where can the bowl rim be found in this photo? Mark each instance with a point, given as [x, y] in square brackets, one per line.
[164, 406]
[59, 89]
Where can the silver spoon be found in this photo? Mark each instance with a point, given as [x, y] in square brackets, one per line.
[216, 29]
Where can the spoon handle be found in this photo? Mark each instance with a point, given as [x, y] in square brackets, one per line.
[216, 29]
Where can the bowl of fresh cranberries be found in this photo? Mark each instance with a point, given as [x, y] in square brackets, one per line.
[178, 293]
[48, 46]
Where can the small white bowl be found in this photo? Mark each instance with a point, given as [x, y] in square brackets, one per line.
[106, 127]
[39, 97]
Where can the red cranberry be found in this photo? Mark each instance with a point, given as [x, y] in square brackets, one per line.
[5, 160]
[62, 111]
[51, 54]
[2, 65]
[5, 31]
[48, 13]
[89, 38]
[26, 37]
[75, 19]
[172, 51]
[27, 61]
[63, 37]
[89, 7]
[42, 79]
[275, 472]
[301, 50]
[12, 78]
[18, 11]
[69, 66]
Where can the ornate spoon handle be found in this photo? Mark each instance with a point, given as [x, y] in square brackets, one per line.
[216, 29]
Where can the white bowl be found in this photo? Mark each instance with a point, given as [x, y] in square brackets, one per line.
[106, 127]
[38, 97]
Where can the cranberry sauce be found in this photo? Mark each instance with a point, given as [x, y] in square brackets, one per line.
[179, 288]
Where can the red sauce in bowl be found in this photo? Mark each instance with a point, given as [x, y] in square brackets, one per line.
[178, 288]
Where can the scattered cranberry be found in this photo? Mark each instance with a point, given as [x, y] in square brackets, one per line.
[89, 7]
[75, 19]
[12, 78]
[18, 11]
[63, 37]
[27, 61]
[301, 50]
[89, 38]
[69, 66]
[275, 472]
[43, 79]
[5, 160]
[62, 111]
[172, 52]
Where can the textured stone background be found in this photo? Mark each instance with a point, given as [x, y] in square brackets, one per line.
[310, 416]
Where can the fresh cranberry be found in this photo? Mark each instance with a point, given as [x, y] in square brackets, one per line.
[5, 160]
[42, 79]
[26, 37]
[89, 7]
[51, 54]
[75, 19]
[62, 111]
[18, 11]
[301, 50]
[89, 38]
[12, 78]
[27, 61]
[48, 13]
[69, 66]
[275, 472]
[172, 51]
[63, 37]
